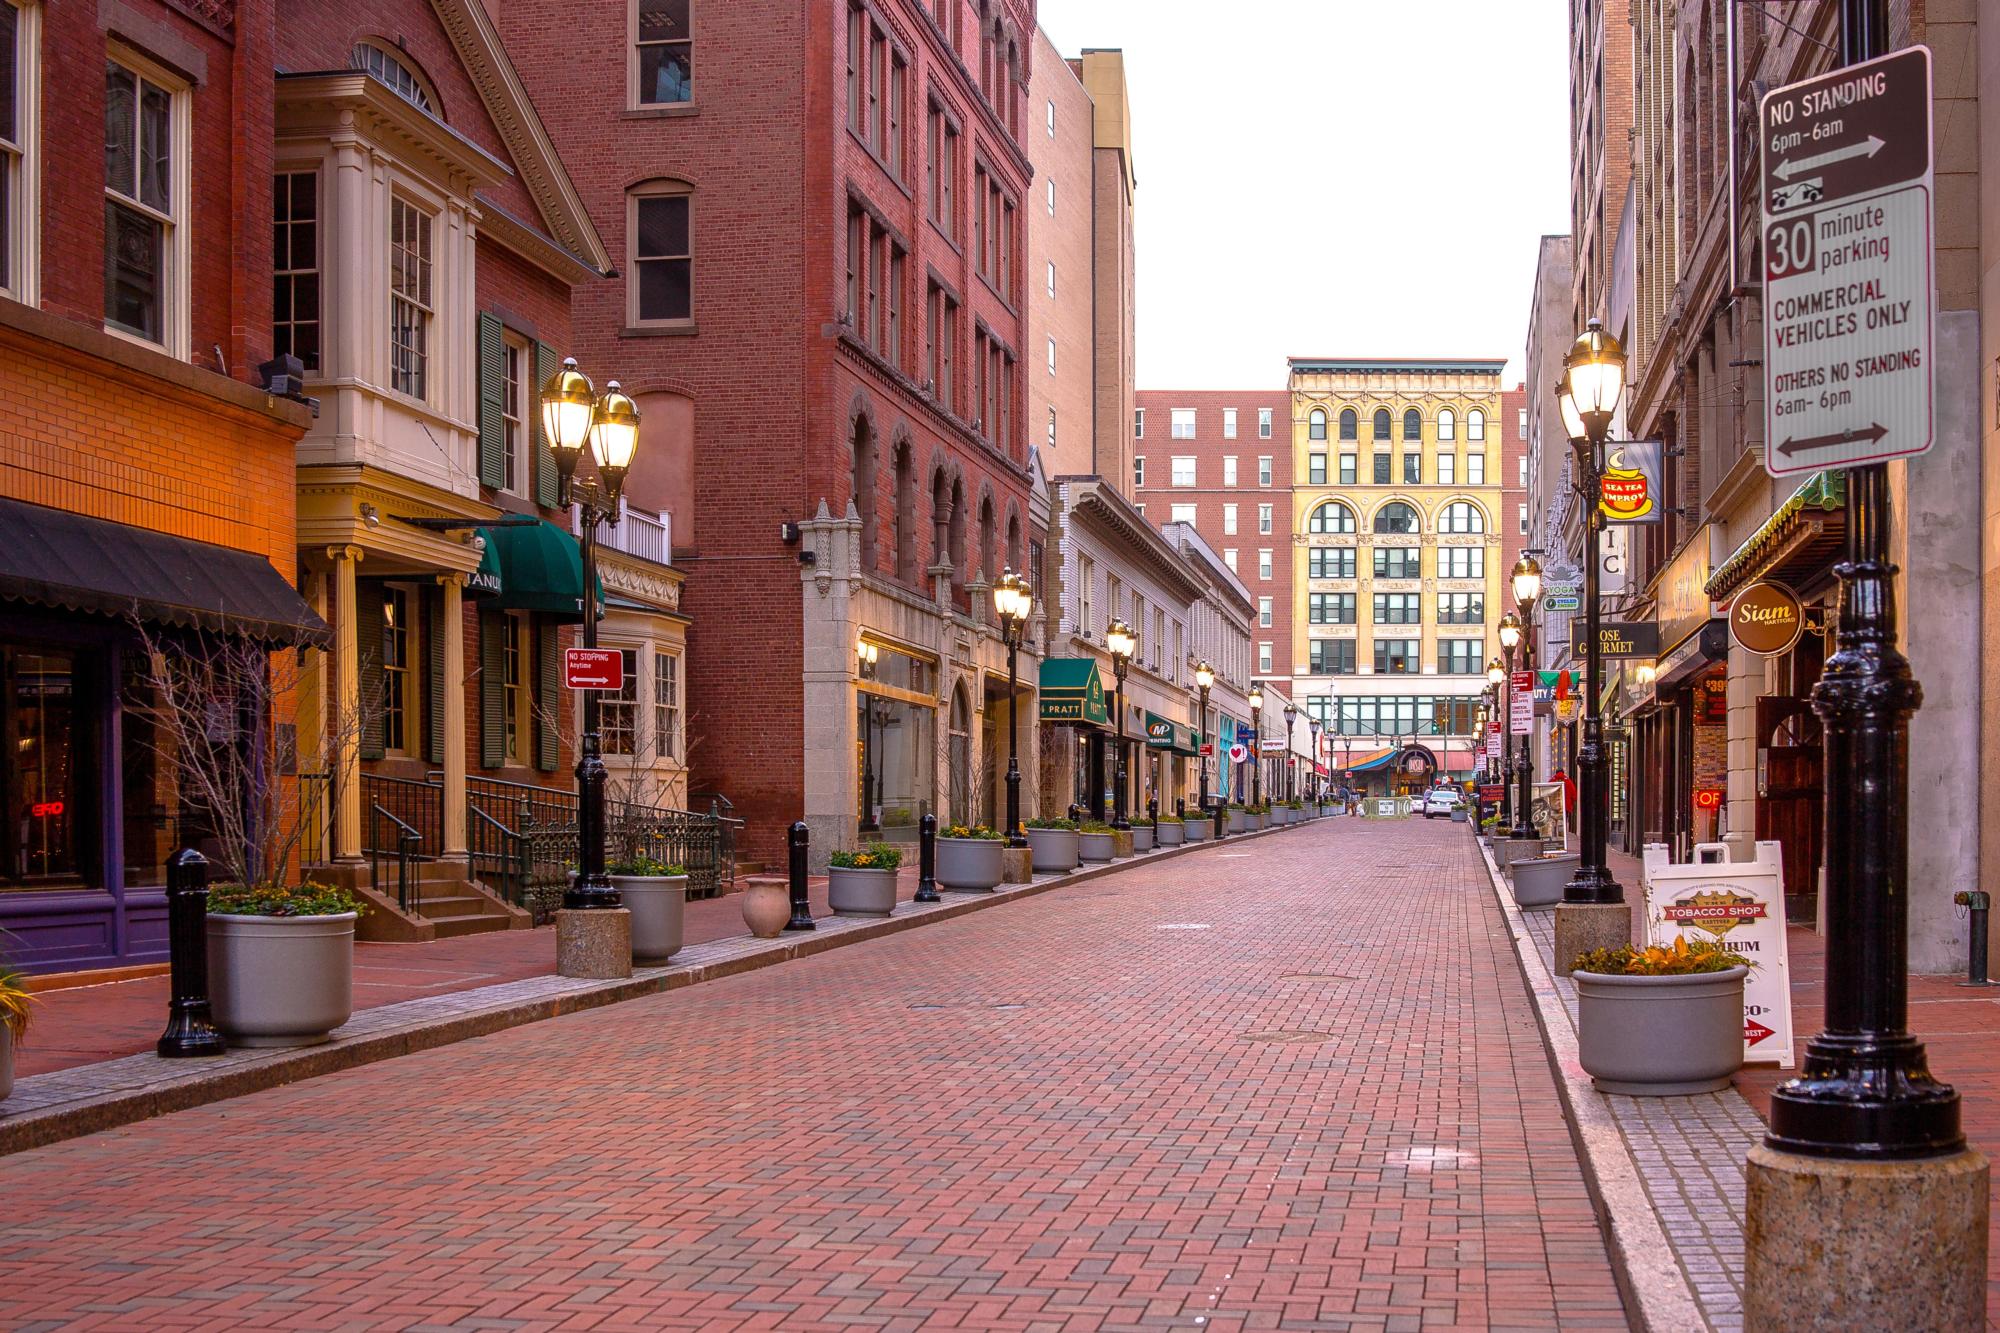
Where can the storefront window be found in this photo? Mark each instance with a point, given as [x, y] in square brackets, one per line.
[39, 723]
[897, 768]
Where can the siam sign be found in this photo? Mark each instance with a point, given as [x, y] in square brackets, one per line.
[1766, 619]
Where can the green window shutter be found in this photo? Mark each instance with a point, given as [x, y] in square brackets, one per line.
[492, 403]
[492, 690]
[368, 634]
[546, 364]
[548, 695]
[434, 675]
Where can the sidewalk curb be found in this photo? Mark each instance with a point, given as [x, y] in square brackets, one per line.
[164, 1086]
[1658, 1296]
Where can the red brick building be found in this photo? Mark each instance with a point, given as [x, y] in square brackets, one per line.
[1516, 523]
[818, 213]
[1222, 460]
[145, 475]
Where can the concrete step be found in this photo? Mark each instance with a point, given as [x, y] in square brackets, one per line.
[448, 927]
[463, 902]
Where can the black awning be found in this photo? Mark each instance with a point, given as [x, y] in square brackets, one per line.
[69, 562]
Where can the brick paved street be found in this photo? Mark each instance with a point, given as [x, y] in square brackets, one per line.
[1293, 1084]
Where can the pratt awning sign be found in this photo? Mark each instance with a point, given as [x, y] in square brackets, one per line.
[1848, 265]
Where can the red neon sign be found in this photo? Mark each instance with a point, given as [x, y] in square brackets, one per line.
[47, 809]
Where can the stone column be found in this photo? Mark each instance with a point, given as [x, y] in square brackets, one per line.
[347, 707]
[452, 624]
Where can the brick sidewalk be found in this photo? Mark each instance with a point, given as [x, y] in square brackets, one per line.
[88, 1024]
[1291, 1084]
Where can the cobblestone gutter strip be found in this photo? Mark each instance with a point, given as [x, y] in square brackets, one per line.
[48, 1108]
[1658, 1296]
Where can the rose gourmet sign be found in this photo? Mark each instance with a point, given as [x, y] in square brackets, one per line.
[1848, 265]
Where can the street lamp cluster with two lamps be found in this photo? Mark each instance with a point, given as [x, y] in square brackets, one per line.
[1121, 641]
[573, 414]
[1013, 602]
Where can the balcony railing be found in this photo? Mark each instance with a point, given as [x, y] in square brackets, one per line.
[639, 533]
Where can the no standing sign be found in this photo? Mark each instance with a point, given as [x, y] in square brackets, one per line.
[1846, 187]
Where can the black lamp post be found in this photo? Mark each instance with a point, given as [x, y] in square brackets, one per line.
[1866, 1089]
[1593, 379]
[1502, 682]
[1204, 678]
[573, 413]
[1513, 640]
[1121, 641]
[1291, 712]
[866, 655]
[1312, 781]
[1257, 745]
[1013, 601]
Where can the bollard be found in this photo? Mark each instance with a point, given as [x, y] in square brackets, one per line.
[927, 860]
[802, 917]
[190, 1028]
[1076, 813]
[1153, 811]
[1979, 903]
[1221, 820]
[1180, 807]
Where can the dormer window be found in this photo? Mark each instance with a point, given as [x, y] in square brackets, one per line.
[391, 69]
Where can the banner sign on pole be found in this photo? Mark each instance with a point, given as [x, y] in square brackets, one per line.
[1848, 265]
[1740, 906]
[1632, 486]
[1521, 704]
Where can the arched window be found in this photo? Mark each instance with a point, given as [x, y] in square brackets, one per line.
[1014, 542]
[1396, 517]
[906, 513]
[864, 488]
[989, 534]
[1461, 516]
[1350, 424]
[1381, 423]
[1316, 429]
[1331, 516]
[1475, 425]
[1447, 424]
[392, 69]
[1413, 425]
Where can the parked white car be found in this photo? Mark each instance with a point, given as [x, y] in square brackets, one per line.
[1442, 801]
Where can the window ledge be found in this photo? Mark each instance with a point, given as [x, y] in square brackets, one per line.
[684, 329]
[666, 111]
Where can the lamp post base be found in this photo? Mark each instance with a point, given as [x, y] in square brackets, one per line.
[1593, 884]
[594, 944]
[1582, 927]
[1835, 1243]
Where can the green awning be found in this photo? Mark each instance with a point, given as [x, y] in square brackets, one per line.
[1070, 691]
[485, 580]
[1801, 526]
[541, 569]
[1163, 733]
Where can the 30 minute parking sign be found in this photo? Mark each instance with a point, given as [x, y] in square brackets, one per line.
[1848, 249]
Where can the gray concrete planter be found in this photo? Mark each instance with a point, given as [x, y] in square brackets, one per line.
[1142, 837]
[1169, 835]
[970, 863]
[658, 904]
[1239, 821]
[1538, 881]
[1460, 816]
[1506, 851]
[1660, 1036]
[1197, 830]
[1096, 846]
[1052, 848]
[6, 1061]
[861, 892]
[280, 980]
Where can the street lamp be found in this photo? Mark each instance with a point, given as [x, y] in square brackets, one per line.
[1121, 641]
[1592, 381]
[573, 414]
[1204, 678]
[1312, 779]
[866, 655]
[1291, 712]
[1257, 741]
[1012, 602]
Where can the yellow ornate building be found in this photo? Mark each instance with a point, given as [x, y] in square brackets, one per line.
[1397, 558]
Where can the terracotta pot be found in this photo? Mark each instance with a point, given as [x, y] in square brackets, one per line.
[767, 906]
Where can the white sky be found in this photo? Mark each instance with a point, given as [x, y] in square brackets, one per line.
[1334, 177]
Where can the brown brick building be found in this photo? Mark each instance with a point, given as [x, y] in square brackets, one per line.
[1222, 461]
[818, 212]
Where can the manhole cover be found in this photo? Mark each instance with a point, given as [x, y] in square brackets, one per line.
[1288, 1036]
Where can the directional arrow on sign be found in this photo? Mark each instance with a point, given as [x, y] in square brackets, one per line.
[1754, 1032]
[1873, 434]
[1787, 169]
